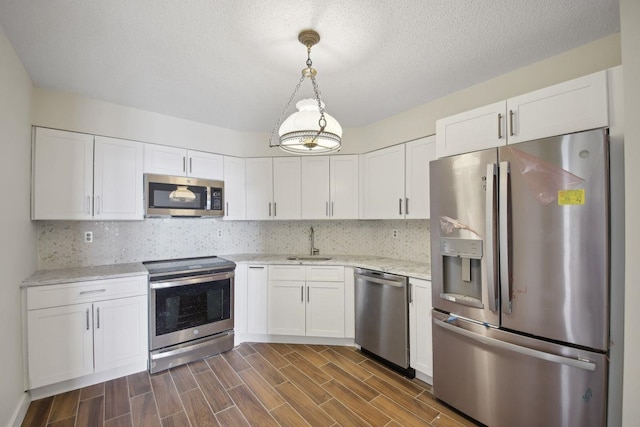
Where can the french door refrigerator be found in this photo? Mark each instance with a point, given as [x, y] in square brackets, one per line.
[520, 279]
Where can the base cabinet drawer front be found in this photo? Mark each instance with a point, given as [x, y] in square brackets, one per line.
[60, 341]
[95, 290]
[324, 273]
[286, 272]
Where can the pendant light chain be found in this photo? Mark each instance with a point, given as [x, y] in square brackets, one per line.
[284, 113]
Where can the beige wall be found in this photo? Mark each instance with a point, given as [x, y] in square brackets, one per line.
[18, 249]
[630, 26]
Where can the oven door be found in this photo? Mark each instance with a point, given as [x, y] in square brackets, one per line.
[184, 309]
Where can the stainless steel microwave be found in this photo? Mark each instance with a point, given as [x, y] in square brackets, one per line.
[166, 195]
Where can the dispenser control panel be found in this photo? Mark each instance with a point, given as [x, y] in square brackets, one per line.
[463, 248]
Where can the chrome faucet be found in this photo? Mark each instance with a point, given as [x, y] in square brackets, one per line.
[312, 237]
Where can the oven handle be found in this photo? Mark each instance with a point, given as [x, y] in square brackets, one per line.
[191, 280]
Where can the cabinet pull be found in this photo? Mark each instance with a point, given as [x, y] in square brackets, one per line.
[406, 206]
[269, 209]
[331, 208]
[308, 292]
[98, 317]
[184, 164]
[95, 291]
[326, 208]
[511, 132]
[499, 126]
[97, 208]
[410, 293]
[190, 164]
[400, 206]
[227, 208]
[274, 209]
[87, 319]
[301, 293]
[256, 266]
[87, 205]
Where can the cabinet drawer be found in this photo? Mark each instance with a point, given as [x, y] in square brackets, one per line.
[325, 273]
[286, 272]
[80, 292]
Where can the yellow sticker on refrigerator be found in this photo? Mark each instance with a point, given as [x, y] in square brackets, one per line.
[570, 197]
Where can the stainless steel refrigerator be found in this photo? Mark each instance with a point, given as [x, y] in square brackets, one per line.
[520, 279]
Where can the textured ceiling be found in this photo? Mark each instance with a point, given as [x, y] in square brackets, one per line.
[234, 63]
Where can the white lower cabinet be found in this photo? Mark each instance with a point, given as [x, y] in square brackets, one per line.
[420, 343]
[256, 299]
[77, 329]
[306, 301]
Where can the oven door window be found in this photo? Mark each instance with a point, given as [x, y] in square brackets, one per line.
[190, 306]
[160, 196]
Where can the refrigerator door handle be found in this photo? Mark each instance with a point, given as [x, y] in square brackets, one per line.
[505, 226]
[576, 363]
[489, 231]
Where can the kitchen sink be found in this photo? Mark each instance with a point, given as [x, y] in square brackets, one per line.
[308, 258]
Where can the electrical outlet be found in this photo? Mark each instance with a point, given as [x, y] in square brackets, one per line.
[88, 236]
[219, 233]
[394, 234]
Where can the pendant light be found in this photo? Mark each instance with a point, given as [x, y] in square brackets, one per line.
[310, 130]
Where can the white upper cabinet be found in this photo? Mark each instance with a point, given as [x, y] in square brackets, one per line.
[75, 179]
[418, 154]
[329, 187]
[234, 188]
[572, 106]
[165, 160]
[395, 181]
[273, 188]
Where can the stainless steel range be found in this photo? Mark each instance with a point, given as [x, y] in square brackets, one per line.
[190, 310]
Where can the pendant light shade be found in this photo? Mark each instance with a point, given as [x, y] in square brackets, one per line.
[310, 130]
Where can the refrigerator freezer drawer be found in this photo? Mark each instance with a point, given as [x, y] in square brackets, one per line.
[504, 379]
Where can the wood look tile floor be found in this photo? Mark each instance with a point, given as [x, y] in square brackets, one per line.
[254, 384]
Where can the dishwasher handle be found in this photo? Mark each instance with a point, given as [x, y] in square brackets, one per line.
[397, 281]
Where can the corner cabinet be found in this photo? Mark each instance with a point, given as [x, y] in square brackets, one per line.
[420, 340]
[571, 106]
[81, 177]
[395, 181]
[166, 160]
[273, 188]
[77, 329]
[234, 188]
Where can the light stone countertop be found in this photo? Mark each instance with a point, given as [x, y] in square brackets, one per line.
[81, 274]
[419, 270]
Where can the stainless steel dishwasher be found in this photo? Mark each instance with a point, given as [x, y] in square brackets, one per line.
[382, 317]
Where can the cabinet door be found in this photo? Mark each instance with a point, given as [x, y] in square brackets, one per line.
[120, 332]
[383, 183]
[286, 307]
[205, 165]
[349, 303]
[62, 175]
[259, 187]
[60, 343]
[325, 309]
[240, 299]
[165, 160]
[286, 188]
[473, 130]
[234, 188]
[118, 179]
[257, 291]
[572, 106]
[314, 178]
[418, 155]
[420, 341]
[344, 187]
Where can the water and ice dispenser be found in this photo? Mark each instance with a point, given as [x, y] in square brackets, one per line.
[462, 270]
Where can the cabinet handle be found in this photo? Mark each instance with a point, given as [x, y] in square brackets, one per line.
[326, 208]
[400, 206]
[87, 319]
[331, 208]
[410, 293]
[97, 208]
[302, 294]
[227, 208]
[184, 164]
[274, 209]
[87, 205]
[190, 164]
[499, 126]
[95, 291]
[269, 209]
[98, 316]
[406, 206]
[256, 266]
[308, 292]
[511, 132]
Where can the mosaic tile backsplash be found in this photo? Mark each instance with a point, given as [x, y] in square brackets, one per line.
[61, 245]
